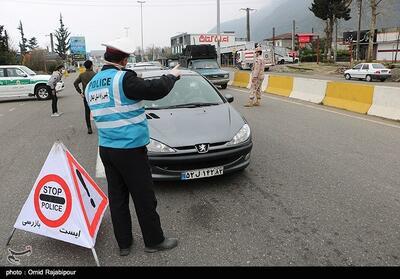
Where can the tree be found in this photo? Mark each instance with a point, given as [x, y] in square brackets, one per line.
[23, 44]
[330, 11]
[374, 4]
[3, 39]
[7, 56]
[32, 43]
[63, 40]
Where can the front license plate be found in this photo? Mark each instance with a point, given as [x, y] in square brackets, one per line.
[197, 174]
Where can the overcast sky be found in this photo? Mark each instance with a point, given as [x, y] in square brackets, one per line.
[104, 20]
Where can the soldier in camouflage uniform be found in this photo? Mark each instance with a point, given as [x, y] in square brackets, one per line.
[257, 79]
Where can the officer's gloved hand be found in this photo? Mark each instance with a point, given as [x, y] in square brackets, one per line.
[175, 72]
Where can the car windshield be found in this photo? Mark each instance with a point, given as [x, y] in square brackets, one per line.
[28, 71]
[188, 92]
[205, 64]
[378, 66]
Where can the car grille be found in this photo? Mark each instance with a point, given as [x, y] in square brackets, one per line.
[192, 147]
[185, 166]
[211, 77]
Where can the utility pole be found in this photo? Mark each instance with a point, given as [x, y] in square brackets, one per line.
[398, 42]
[359, 30]
[248, 10]
[336, 40]
[219, 31]
[51, 42]
[141, 19]
[273, 45]
[293, 33]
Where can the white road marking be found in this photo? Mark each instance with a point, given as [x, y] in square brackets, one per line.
[100, 171]
[324, 109]
[11, 109]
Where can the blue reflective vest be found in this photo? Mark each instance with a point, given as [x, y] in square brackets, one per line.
[121, 122]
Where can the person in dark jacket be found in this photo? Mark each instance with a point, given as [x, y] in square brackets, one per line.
[115, 97]
[84, 78]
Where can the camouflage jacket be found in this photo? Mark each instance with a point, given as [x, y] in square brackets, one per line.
[258, 68]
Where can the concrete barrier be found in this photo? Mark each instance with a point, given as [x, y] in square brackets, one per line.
[349, 96]
[280, 85]
[265, 83]
[231, 77]
[386, 102]
[241, 79]
[310, 90]
[249, 85]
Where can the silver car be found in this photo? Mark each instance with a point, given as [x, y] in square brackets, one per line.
[195, 132]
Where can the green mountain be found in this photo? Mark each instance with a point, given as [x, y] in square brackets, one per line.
[280, 14]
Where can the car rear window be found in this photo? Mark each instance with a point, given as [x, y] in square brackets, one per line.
[188, 90]
[378, 66]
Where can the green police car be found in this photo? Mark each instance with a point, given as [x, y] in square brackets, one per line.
[20, 81]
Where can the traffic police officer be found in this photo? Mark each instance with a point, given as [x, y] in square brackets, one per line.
[115, 97]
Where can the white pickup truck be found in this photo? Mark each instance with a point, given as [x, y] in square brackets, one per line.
[20, 81]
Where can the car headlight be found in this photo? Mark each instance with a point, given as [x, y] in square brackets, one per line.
[242, 136]
[158, 147]
[226, 76]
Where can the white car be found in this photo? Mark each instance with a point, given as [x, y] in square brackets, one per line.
[20, 81]
[144, 66]
[369, 72]
[286, 60]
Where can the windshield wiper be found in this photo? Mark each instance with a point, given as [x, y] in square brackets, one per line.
[155, 108]
[192, 105]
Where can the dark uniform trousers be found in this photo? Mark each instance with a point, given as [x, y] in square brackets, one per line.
[128, 173]
[87, 114]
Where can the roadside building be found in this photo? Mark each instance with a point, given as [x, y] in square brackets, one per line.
[179, 42]
[388, 45]
[283, 40]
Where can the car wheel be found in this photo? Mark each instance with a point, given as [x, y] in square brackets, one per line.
[368, 78]
[224, 86]
[42, 93]
[347, 76]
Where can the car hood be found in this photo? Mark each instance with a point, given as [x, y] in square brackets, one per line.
[41, 77]
[191, 126]
[208, 72]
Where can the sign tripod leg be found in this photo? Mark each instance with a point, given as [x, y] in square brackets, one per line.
[95, 257]
[11, 235]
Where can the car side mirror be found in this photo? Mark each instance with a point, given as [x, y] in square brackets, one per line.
[229, 98]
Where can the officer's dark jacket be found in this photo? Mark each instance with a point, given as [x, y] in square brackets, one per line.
[136, 88]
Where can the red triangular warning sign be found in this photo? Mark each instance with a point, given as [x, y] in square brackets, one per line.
[92, 199]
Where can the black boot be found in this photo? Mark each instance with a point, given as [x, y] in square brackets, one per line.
[167, 244]
[89, 131]
[123, 252]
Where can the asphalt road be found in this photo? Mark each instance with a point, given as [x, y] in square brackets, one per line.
[322, 189]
